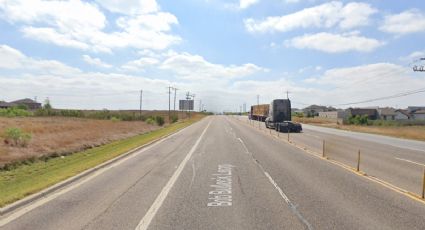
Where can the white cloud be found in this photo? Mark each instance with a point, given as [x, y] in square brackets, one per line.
[334, 43]
[68, 87]
[342, 85]
[411, 21]
[140, 64]
[82, 25]
[416, 55]
[11, 58]
[96, 62]
[292, 1]
[371, 81]
[327, 15]
[310, 69]
[194, 67]
[52, 36]
[243, 4]
[130, 7]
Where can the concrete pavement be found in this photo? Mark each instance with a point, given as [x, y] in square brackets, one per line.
[226, 175]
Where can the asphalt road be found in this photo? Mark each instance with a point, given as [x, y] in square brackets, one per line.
[400, 162]
[222, 173]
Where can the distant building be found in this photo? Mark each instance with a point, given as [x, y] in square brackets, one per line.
[338, 116]
[332, 114]
[372, 114]
[29, 103]
[386, 113]
[401, 114]
[5, 105]
[412, 109]
[418, 114]
[314, 110]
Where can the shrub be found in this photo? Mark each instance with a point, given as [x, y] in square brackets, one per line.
[159, 120]
[115, 119]
[14, 112]
[358, 120]
[16, 137]
[150, 121]
[22, 106]
[174, 118]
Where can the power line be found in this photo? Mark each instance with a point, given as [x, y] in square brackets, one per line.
[403, 94]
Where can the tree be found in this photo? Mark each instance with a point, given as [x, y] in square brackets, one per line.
[47, 104]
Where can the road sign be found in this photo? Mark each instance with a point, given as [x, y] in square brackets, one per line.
[185, 104]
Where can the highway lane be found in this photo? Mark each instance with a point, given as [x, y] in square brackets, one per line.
[398, 161]
[118, 198]
[387, 158]
[235, 177]
[330, 197]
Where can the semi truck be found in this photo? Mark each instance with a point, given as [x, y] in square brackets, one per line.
[259, 112]
[279, 117]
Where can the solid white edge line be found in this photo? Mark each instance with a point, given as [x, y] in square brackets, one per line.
[150, 214]
[413, 162]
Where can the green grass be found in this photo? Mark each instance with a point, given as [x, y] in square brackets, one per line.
[29, 179]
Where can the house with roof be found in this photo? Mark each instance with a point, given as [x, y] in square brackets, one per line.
[314, 110]
[29, 103]
[386, 113]
[412, 109]
[418, 114]
[5, 105]
[402, 114]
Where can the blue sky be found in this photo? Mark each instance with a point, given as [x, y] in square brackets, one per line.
[99, 54]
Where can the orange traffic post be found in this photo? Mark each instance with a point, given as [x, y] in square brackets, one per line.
[288, 134]
[358, 161]
[423, 186]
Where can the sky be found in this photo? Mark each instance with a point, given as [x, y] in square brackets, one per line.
[99, 54]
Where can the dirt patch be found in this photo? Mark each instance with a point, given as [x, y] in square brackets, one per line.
[59, 135]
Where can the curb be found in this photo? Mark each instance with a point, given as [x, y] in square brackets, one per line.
[49, 190]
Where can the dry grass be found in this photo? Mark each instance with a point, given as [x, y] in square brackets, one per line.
[407, 132]
[60, 134]
[311, 120]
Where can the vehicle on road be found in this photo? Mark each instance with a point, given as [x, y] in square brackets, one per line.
[279, 117]
[259, 112]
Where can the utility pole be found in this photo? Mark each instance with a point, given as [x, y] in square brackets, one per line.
[287, 94]
[169, 102]
[175, 94]
[258, 103]
[141, 101]
[188, 97]
[187, 100]
[200, 104]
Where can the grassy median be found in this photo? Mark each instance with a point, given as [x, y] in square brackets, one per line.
[29, 179]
